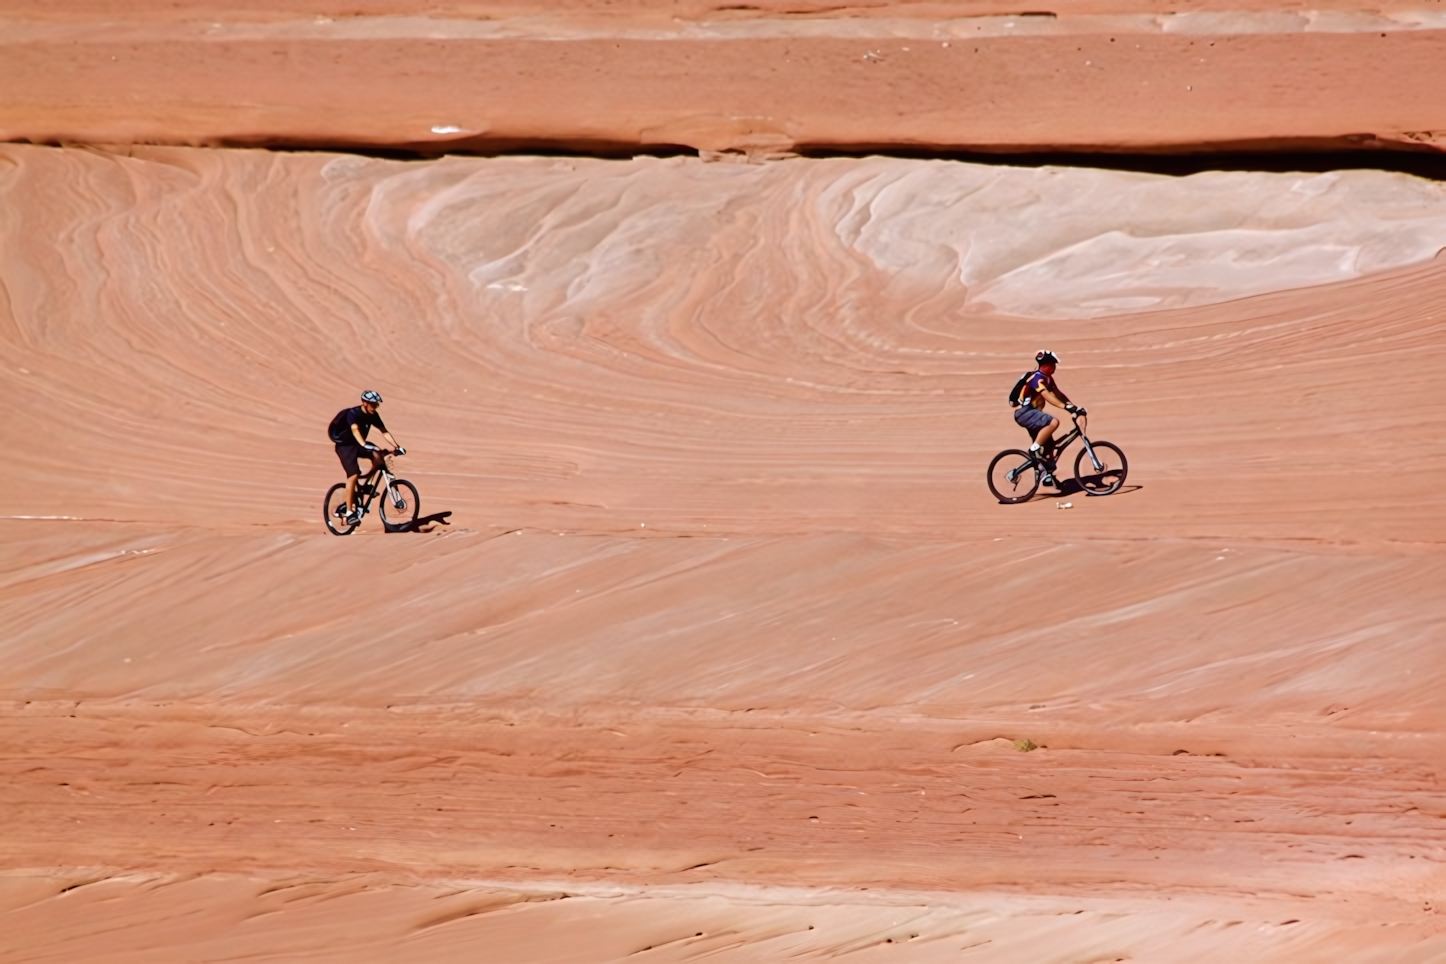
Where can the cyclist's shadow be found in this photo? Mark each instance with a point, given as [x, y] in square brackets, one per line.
[424, 524]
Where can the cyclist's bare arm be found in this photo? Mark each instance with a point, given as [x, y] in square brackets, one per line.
[356, 433]
[1057, 399]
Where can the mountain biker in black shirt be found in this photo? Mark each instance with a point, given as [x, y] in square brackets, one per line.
[348, 430]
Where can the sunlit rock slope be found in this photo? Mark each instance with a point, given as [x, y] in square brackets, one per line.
[727, 647]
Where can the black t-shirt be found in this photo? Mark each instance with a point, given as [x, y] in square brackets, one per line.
[340, 428]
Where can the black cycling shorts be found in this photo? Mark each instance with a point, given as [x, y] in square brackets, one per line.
[351, 454]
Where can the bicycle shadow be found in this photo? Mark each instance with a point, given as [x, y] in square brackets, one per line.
[1068, 487]
[425, 523]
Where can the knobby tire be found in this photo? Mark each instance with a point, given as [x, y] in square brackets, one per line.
[1096, 482]
[398, 516]
[336, 495]
[1026, 481]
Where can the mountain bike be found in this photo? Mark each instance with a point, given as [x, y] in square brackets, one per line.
[1099, 468]
[398, 500]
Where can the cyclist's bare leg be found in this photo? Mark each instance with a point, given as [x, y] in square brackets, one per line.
[376, 460]
[351, 494]
[1045, 435]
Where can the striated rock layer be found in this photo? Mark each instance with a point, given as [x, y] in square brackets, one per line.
[765, 78]
[727, 648]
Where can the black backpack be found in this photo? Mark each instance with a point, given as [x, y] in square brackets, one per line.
[1014, 401]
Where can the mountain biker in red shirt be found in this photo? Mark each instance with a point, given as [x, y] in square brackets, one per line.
[1037, 389]
[348, 430]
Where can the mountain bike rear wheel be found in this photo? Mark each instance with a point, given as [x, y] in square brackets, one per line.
[1104, 480]
[1012, 476]
[399, 507]
[336, 525]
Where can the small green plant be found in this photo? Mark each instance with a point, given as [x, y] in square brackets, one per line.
[1025, 745]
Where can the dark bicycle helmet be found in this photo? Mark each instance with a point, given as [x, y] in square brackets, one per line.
[371, 396]
[1046, 357]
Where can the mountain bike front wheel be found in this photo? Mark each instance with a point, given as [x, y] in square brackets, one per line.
[400, 505]
[1012, 476]
[335, 524]
[1108, 477]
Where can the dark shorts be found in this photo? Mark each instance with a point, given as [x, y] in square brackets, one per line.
[1032, 419]
[351, 454]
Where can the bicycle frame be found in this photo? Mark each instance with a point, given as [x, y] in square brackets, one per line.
[1078, 432]
[367, 488]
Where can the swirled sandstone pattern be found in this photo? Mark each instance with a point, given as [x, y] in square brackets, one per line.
[726, 646]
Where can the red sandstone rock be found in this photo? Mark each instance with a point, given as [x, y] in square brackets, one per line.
[728, 643]
[764, 79]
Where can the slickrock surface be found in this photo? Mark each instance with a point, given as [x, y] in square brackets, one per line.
[726, 650]
[761, 78]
